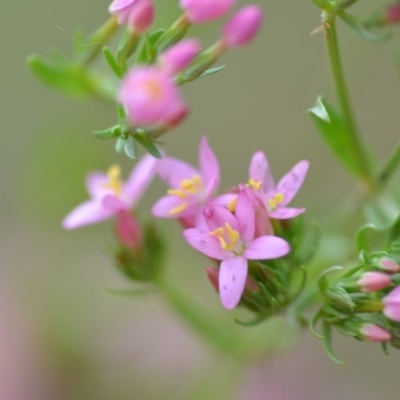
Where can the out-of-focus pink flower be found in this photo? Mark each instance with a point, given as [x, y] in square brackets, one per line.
[230, 238]
[150, 97]
[373, 281]
[391, 304]
[199, 11]
[176, 58]
[375, 333]
[128, 230]
[122, 9]
[191, 189]
[109, 194]
[389, 265]
[141, 17]
[243, 27]
[276, 198]
[392, 14]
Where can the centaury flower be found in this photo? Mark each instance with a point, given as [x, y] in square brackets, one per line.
[109, 194]
[230, 238]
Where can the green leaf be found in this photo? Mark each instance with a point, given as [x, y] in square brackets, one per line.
[395, 230]
[362, 236]
[313, 323]
[112, 62]
[326, 327]
[150, 147]
[109, 133]
[130, 148]
[120, 144]
[332, 129]
[212, 71]
[358, 26]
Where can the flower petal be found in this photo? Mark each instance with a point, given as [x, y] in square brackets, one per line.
[87, 213]
[290, 184]
[114, 204]
[173, 171]
[139, 179]
[232, 280]
[224, 199]
[244, 213]
[163, 207]
[96, 184]
[267, 248]
[209, 166]
[205, 243]
[286, 213]
[217, 216]
[259, 171]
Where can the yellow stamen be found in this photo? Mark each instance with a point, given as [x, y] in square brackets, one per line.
[177, 192]
[178, 209]
[276, 200]
[153, 88]
[232, 234]
[232, 205]
[114, 180]
[227, 243]
[255, 185]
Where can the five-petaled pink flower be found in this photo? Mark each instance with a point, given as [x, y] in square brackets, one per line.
[109, 194]
[276, 198]
[230, 238]
[199, 11]
[190, 189]
[391, 304]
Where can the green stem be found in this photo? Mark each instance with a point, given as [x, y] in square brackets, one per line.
[390, 166]
[355, 141]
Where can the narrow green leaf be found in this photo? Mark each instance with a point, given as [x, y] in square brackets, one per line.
[332, 129]
[313, 323]
[362, 236]
[212, 71]
[120, 144]
[326, 327]
[130, 148]
[150, 147]
[112, 62]
[109, 133]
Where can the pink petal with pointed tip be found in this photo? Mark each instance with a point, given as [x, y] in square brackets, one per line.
[216, 216]
[244, 213]
[87, 213]
[208, 163]
[114, 204]
[259, 171]
[174, 171]
[205, 243]
[224, 200]
[232, 280]
[267, 248]
[163, 206]
[286, 213]
[139, 179]
[96, 184]
[210, 188]
[290, 184]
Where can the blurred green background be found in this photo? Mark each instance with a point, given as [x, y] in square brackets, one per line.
[63, 337]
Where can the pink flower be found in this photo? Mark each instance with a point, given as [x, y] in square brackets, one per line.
[128, 230]
[392, 14]
[243, 27]
[109, 194]
[176, 58]
[199, 11]
[276, 197]
[230, 238]
[141, 17]
[375, 333]
[122, 9]
[190, 189]
[389, 265]
[373, 281]
[391, 304]
[150, 97]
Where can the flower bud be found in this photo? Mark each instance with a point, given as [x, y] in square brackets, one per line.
[243, 27]
[199, 11]
[392, 14]
[391, 304]
[212, 274]
[150, 97]
[129, 231]
[141, 17]
[179, 56]
[389, 265]
[373, 281]
[122, 9]
[374, 333]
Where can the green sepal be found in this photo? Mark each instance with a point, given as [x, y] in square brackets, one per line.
[358, 26]
[120, 144]
[253, 322]
[149, 145]
[339, 296]
[322, 282]
[384, 348]
[109, 133]
[148, 51]
[130, 148]
[333, 130]
[362, 236]
[326, 328]
[313, 323]
[112, 62]
[130, 292]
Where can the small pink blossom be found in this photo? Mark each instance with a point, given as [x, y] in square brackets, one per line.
[230, 238]
[150, 97]
[141, 17]
[122, 9]
[243, 27]
[176, 58]
[391, 304]
[276, 198]
[190, 189]
[373, 281]
[389, 265]
[392, 14]
[109, 195]
[375, 333]
[128, 230]
[199, 11]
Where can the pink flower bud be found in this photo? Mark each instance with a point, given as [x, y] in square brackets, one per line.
[122, 9]
[199, 11]
[243, 27]
[373, 281]
[391, 304]
[141, 16]
[392, 14]
[179, 56]
[150, 97]
[375, 333]
[177, 116]
[389, 265]
[129, 231]
[212, 274]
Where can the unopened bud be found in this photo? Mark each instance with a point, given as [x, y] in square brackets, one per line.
[129, 231]
[141, 17]
[122, 9]
[373, 281]
[389, 265]
[374, 333]
[392, 14]
[391, 304]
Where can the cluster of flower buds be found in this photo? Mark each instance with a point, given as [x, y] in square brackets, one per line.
[246, 233]
[364, 302]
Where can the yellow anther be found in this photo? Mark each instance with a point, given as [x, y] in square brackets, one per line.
[256, 185]
[227, 237]
[178, 209]
[177, 192]
[114, 179]
[232, 234]
[232, 205]
[187, 187]
[276, 200]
